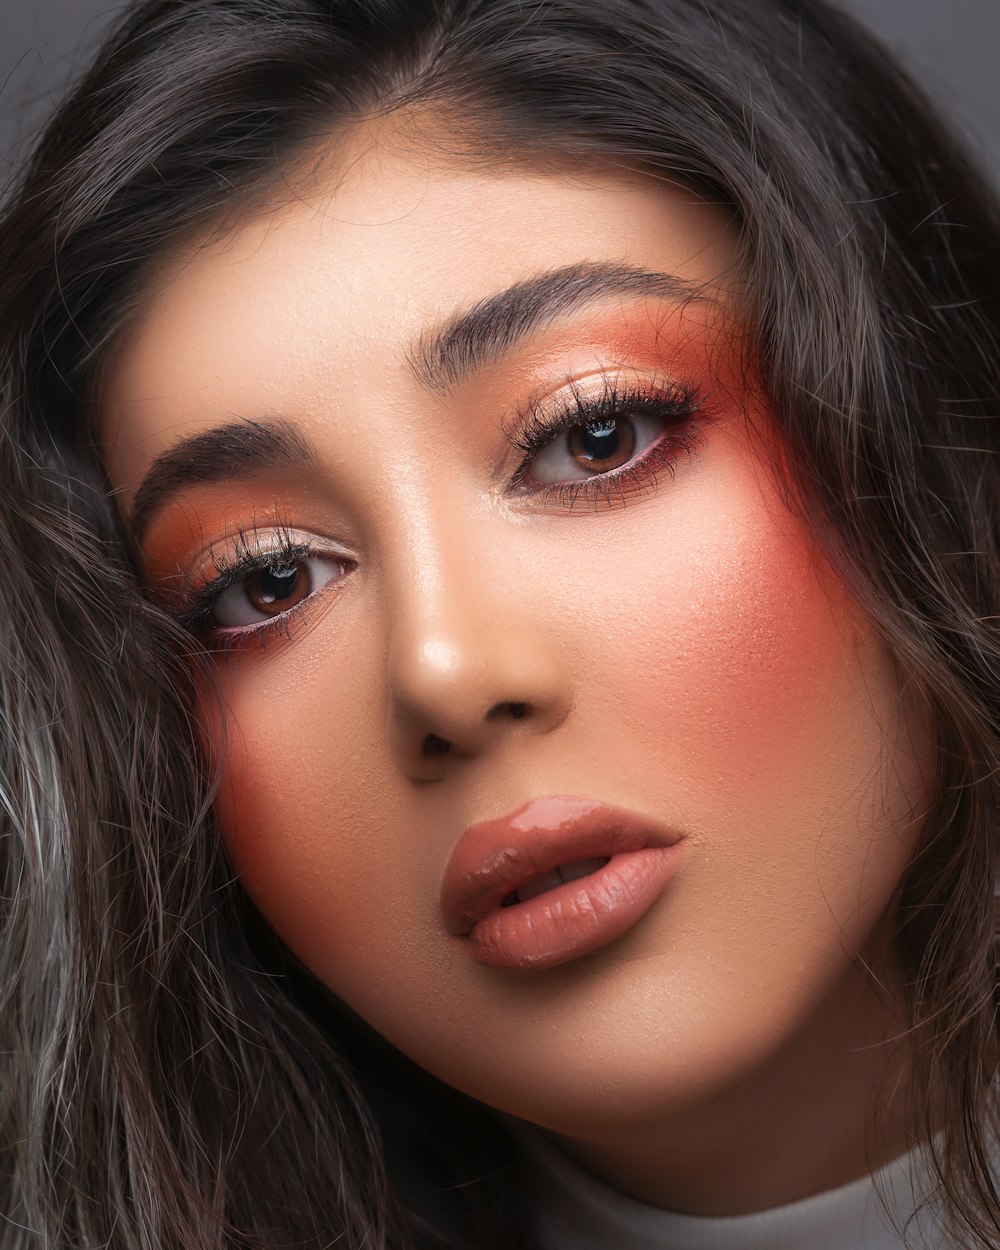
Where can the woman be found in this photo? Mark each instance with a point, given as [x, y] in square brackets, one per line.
[500, 669]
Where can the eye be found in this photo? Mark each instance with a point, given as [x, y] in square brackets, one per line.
[272, 589]
[594, 447]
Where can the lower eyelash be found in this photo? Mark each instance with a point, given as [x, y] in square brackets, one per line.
[678, 403]
[638, 477]
[259, 636]
[250, 557]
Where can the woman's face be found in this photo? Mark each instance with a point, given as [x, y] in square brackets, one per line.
[626, 613]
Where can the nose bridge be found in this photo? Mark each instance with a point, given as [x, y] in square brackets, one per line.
[469, 653]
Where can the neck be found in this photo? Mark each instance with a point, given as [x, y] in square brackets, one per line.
[796, 1126]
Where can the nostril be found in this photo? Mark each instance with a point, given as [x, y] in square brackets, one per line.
[517, 711]
[433, 745]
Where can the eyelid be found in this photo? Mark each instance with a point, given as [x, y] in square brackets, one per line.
[679, 403]
[254, 541]
[559, 402]
[598, 378]
[320, 571]
[541, 422]
[250, 551]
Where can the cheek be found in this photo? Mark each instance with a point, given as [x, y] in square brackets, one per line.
[749, 648]
[320, 826]
[300, 795]
[751, 686]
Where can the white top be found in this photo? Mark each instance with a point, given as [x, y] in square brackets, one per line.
[578, 1212]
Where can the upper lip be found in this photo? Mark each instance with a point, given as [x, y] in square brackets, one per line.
[494, 857]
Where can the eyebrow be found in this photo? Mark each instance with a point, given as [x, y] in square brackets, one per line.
[482, 334]
[466, 342]
[237, 449]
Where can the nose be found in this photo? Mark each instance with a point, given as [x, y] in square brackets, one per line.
[473, 657]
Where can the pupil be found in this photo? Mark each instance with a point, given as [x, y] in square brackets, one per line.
[600, 440]
[277, 583]
[603, 444]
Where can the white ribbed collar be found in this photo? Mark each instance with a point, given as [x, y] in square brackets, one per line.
[578, 1212]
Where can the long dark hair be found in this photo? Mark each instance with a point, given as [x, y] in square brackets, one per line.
[169, 1076]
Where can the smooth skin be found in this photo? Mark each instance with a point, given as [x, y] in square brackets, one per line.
[683, 650]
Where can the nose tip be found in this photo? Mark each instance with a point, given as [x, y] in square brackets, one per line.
[457, 699]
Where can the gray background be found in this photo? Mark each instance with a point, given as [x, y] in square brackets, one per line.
[952, 45]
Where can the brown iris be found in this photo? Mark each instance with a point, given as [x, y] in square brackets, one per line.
[273, 590]
[602, 445]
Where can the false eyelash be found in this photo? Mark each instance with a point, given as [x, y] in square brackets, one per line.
[676, 402]
[249, 557]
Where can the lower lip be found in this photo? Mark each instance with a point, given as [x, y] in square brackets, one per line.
[577, 917]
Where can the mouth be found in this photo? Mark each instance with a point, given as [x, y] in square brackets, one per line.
[556, 878]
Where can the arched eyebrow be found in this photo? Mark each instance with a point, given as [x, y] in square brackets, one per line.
[466, 342]
[240, 448]
[484, 333]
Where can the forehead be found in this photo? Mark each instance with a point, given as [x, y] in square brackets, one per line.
[338, 284]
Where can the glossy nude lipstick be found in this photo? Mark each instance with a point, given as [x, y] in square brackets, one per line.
[555, 879]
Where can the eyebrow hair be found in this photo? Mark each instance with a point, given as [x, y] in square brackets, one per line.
[237, 449]
[486, 331]
[464, 343]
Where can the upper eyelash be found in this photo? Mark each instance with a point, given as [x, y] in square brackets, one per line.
[676, 400]
[250, 556]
